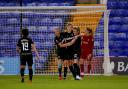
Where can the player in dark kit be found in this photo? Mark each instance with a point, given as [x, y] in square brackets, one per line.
[69, 51]
[76, 52]
[58, 39]
[25, 46]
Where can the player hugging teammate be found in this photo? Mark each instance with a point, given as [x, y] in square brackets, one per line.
[70, 50]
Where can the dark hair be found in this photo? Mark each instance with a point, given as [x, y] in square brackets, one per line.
[25, 32]
[77, 28]
[89, 30]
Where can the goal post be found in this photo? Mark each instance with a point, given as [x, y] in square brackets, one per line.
[41, 21]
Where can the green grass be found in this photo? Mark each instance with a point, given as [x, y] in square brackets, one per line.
[51, 82]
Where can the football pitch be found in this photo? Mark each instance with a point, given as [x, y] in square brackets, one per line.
[51, 82]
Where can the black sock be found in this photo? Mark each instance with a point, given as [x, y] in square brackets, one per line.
[65, 72]
[72, 70]
[75, 67]
[22, 72]
[59, 69]
[30, 74]
[78, 70]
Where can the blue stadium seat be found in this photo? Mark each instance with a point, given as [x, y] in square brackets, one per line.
[31, 4]
[120, 36]
[42, 29]
[57, 20]
[116, 52]
[25, 21]
[99, 36]
[124, 28]
[32, 28]
[123, 4]
[45, 20]
[111, 36]
[117, 13]
[114, 28]
[65, 4]
[42, 4]
[115, 20]
[125, 20]
[12, 21]
[112, 4]
[51, 28]
[54, 4]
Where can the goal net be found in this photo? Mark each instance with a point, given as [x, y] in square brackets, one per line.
[41, 21]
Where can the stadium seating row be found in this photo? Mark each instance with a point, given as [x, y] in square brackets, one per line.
[117, 4]
[118, 27]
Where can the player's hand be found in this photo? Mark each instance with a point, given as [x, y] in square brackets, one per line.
[38, 57]
[89, 56]
[85, 42]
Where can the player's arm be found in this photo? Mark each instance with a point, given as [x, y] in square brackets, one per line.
[35, 50]
[18, 47]
[69, 43]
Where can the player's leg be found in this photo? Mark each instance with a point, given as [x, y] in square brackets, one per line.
[81, 67]
[89, 59]
[30, 73]
[70, 63]
[30, 63]
[22, 67]
[65, 68]
[76, 66]
[60, 68]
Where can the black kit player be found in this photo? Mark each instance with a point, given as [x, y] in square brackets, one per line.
[25, 46]
[76, 52]
[61, 47]
[69, 51]
[58, 39]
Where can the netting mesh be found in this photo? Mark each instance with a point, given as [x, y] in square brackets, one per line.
[41, 23]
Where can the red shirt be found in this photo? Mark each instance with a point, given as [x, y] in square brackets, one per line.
[87, 44]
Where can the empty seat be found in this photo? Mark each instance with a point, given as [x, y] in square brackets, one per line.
[112, 4]
[122, 4]
[120, 36]
[12, 21]
[124, 28]
[54, 4]
[125, 20]
[114, 28]
[42, 29]
[111, 36]
[42, 4]
[115, 20]
[52, 28]
[116, 52]
[31, 4]
[57, 20]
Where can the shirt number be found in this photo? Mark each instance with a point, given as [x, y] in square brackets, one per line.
[25, 46]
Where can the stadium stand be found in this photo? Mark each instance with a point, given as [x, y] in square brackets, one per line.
[118, 27]
[37, 25]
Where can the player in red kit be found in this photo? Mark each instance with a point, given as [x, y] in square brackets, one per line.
[86, 50]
